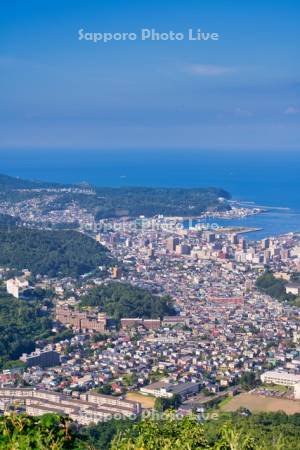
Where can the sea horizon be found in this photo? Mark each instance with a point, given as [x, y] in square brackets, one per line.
[266, 178]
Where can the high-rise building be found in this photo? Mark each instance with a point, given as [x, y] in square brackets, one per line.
[265, 243]
[116, 272]
[209, 236]
[234, 239]
[171, 244]
[183, 249]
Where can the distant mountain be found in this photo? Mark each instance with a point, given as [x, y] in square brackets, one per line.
[8, 183]
[105, 202]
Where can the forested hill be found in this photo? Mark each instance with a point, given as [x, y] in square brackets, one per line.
[124, 300]
[135, 201]
[109, 202]
[22, 322]
[52, 253]
[8, 183]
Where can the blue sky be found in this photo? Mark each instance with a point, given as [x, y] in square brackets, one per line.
[241, 92]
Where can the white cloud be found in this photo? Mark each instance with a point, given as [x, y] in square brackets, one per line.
[208, 70]
[290, 110]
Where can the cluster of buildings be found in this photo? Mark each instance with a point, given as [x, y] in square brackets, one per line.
[224, 326]
[81, 320]
[44, 208]
[86, 409]
[92, 320]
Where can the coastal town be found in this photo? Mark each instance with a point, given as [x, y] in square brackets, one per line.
[224, 327]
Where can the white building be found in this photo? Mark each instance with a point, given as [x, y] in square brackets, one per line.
[167, 390]
[280, 377]
[293, 288]
[297, 391]
[14, 286]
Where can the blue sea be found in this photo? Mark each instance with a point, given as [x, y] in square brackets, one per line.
[265, 178]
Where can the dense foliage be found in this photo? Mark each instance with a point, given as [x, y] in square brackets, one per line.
[136, 201]
[171, 434]
[265, 431]
[52, 253]
[100, 436]
[7, 221]
[124, 300]
[48, 432]
[8, 183]
[22, 322]
[161, 404]
[151, 201]
[274, 287]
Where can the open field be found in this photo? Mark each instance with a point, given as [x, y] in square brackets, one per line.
[259, 403]
[146, 401]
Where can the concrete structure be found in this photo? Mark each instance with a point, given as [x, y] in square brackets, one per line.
[81, 320]
[183, 249]
[226, 300]
[116, 273]
[297, 391]
[150, 324]
[167, 390]
[281, 378]
[172, 243]
[15, 286]
[293, 288]
[90, 408]
[42, 358]
[175, 320]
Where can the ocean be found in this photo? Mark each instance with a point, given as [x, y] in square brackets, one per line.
[265, 178]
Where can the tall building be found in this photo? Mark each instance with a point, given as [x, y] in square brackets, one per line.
[116, 272]
[183, 249]
[242, 243]
[265, 243]
[171, 244]
[209, 236]
[234, 239]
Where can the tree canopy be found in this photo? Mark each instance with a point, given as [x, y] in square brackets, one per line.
[125, 300]
[22, 322]
[52, 253]
[274, 287]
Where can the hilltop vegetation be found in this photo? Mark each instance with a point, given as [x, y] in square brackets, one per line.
[152, 201]
[274, 287]
[8, 183]
[266, 431]
[40, 433]
[136, 201]
[22, 322]
[52, 253]
[233, 432]
[124, 300]
[7, 221]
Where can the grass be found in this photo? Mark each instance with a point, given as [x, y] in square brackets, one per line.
[273, 387]
[224, 401]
